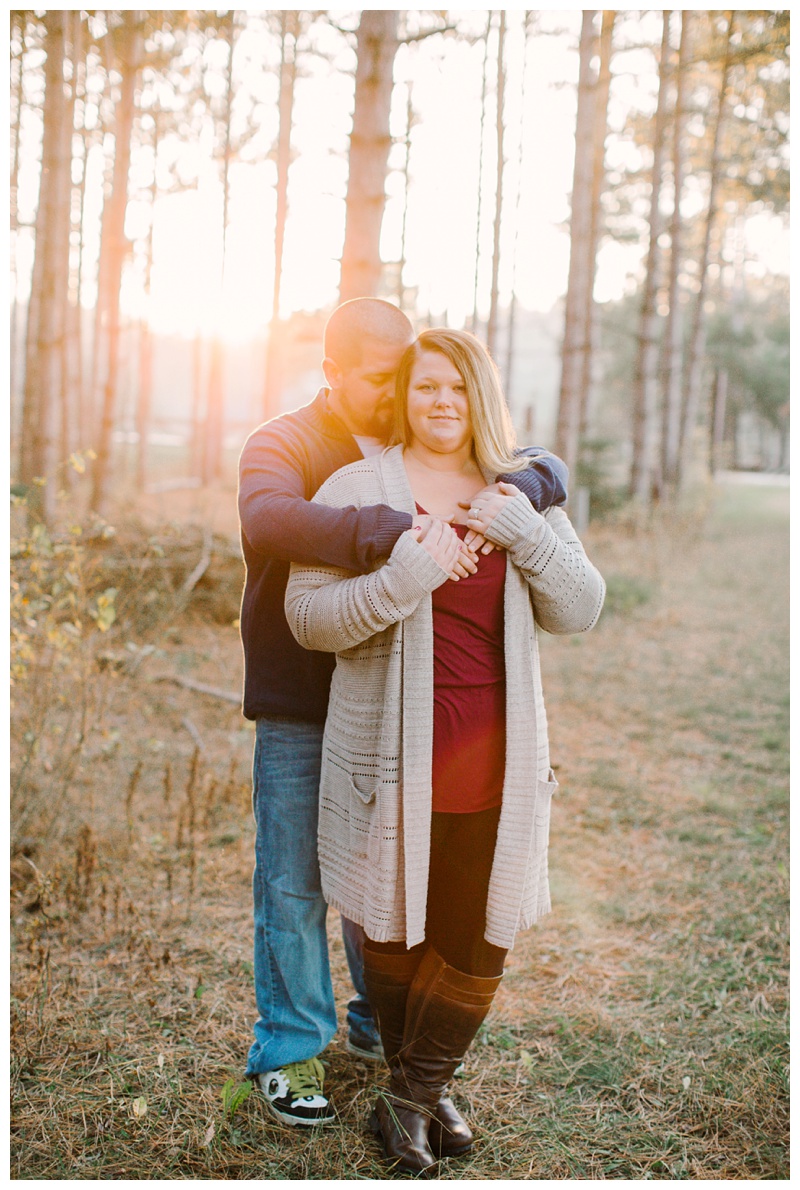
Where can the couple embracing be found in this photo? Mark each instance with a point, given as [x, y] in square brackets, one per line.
[402, 771]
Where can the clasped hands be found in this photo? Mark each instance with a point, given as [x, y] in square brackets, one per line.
[439, 538]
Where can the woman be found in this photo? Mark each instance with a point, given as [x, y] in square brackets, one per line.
[436, 781]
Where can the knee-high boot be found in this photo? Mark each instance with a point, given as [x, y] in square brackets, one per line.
[388, 978]
[444, 1010]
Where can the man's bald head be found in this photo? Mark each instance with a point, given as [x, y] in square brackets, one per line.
[353, 324]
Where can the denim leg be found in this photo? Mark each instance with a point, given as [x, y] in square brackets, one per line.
[359, 1014]
[294, 994]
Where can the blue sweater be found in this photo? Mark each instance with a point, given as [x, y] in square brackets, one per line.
[283, 463]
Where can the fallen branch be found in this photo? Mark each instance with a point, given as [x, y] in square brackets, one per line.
[191, 580]
[193, 732]
[190, 684]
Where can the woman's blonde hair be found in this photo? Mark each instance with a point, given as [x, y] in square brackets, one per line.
[494, 440]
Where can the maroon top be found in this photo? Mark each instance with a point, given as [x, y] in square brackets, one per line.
[469, 688]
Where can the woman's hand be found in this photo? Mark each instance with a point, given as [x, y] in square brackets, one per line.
[443, 544]
[483, 508]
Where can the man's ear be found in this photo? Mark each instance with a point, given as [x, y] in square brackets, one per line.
[332, 373]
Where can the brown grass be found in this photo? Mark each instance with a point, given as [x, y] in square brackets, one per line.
[640, 1031]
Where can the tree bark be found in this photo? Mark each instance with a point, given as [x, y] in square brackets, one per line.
[370, 141]
[144, 404]
[215, 401]
[697, 336]
[580, 273]
[68, 402]
[512, 309]
[491, 328]
[718, 414]
[645, 384]
[288, 73]
[480, 177]
[602, 90]
[16, 26]
[673, 344]
[46, 308]
[129, 58]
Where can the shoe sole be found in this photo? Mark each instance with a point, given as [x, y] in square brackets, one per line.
[294, 1122]
[367, 1055]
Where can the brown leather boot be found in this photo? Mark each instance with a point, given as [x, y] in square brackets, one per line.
[444, 1011]
[388, 978]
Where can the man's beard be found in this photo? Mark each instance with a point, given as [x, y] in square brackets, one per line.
[376, 424]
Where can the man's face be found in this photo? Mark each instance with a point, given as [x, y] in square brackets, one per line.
[363, 395]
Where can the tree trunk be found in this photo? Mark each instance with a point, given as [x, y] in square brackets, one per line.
[129, 55]
[697, 335]
[370, 141]
[491, 329]
[602, 89]
[144, 404]
[45, 333]
[215, 401]
[673, 345]
[480, 177]
[401, 289]
[512, 309]
[68, 397]
[580, 271]
[197, 418]
[288, 73]
[719, 409]
[18, 29]
[645, 384]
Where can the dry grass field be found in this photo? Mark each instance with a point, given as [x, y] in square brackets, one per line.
[640, 1032]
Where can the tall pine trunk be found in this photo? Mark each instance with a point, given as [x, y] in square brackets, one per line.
[370, 141]
[17, 29]
[645, 384]
[288, 73]
[602, 90]
[491, 329]
[215, 401]
[46, 308]
[129, 55]
[580, 273]
[476, 278]
[145, 401]
[697, 333]
[673, 342]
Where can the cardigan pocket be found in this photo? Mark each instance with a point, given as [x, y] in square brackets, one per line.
[544, 798]
[363, 818]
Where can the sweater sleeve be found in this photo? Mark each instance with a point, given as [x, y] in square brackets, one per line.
[545, 480]
[329, 610]
[567, 591]
[279, 521]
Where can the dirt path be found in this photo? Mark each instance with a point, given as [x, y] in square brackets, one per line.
[640, 1030]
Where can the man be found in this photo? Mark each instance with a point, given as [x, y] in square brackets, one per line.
[283, 464]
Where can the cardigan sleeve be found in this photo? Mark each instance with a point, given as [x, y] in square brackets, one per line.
[330, 609]
[567, 591]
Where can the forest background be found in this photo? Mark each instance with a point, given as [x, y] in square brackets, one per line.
[602, 196]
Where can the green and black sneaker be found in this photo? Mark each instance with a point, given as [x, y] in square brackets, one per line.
[294, 1093]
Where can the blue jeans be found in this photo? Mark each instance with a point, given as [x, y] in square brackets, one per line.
[294, 994]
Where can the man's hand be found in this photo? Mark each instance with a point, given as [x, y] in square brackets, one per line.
[443, 544]
[483, 508]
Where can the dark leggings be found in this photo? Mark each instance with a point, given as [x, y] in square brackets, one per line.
[462, 851]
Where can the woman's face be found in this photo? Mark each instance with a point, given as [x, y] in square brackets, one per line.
[437, 406]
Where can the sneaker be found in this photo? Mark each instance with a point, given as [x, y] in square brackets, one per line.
[294, 1093]
[365, 1044]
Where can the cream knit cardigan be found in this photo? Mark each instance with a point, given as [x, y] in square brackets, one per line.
[375, 788]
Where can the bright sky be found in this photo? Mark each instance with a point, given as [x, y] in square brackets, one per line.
[444, 77]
